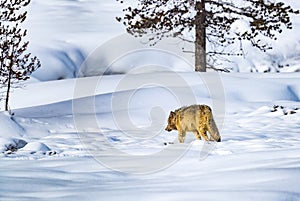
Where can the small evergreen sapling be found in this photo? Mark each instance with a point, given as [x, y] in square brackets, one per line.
[15, 64]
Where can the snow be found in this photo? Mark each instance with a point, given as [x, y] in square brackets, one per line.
[81, 148]
[102, 137]
[67, 33]
[34, 147]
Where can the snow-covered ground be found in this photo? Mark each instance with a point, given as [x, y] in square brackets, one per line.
[102, 137]
[81, 150]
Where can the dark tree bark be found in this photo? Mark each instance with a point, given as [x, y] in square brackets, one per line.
[8, 91]
[200, 37]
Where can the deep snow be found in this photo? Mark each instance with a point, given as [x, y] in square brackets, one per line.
[70, 156]
[102, 137]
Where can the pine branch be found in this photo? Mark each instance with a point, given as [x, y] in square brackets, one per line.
[15, 64]
[265, 18]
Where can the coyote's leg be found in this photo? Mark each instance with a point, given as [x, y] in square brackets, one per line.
[197, 135]
[181, 136]
[202, 133]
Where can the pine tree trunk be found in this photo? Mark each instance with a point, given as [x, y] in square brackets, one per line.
[8, 90]
[200, 42]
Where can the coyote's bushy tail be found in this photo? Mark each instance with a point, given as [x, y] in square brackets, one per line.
[213, 129]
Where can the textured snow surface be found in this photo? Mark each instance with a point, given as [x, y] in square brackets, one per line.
[102, 137]
[65, 155]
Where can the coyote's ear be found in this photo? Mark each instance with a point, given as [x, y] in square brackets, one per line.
[172, 113]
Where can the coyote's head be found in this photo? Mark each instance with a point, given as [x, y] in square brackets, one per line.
[171, 122]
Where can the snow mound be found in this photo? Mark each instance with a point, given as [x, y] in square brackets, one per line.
[125, 54]
[9, 127]
[37, 148]
[62, 61]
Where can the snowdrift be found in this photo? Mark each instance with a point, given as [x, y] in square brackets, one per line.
[88, 138]
[75, 135]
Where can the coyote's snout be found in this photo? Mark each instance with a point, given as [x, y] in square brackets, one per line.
[195, 118]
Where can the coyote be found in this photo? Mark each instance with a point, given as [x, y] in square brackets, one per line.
[195, 118]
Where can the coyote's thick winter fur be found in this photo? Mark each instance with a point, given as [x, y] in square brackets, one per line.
[194, 118]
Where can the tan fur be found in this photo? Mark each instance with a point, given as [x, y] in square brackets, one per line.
[195, 118]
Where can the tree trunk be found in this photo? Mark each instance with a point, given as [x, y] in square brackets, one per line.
[200, 42]
[8, 90]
